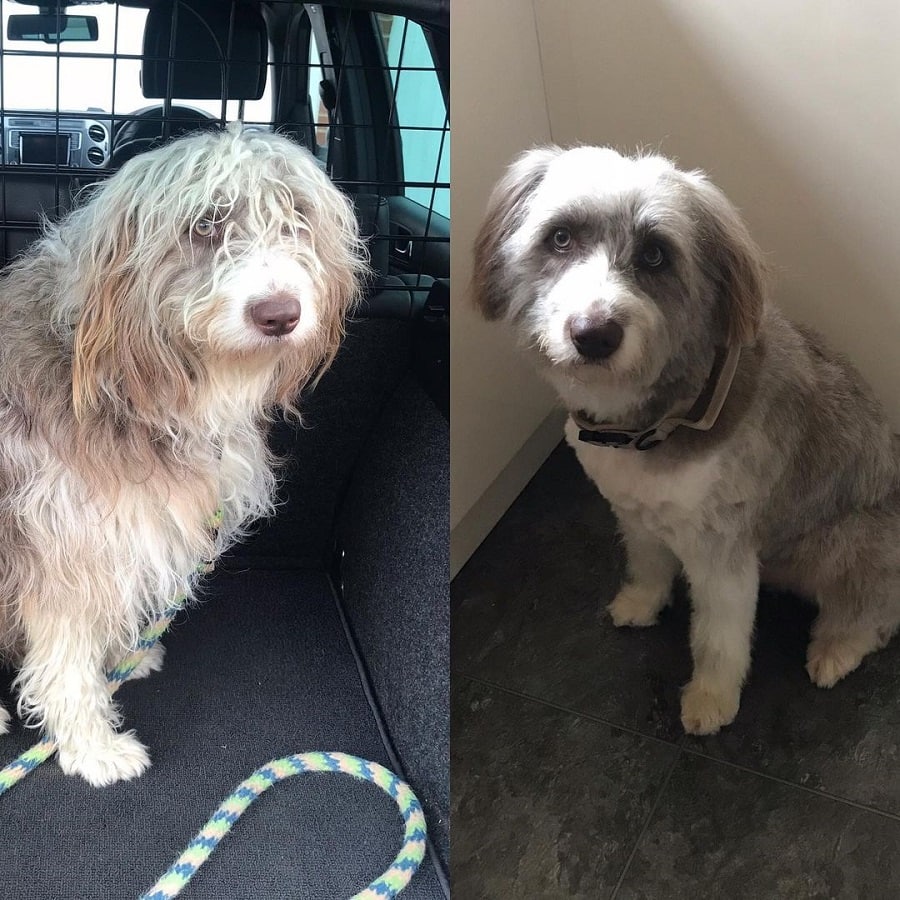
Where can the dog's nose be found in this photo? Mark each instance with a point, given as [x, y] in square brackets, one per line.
[276, 315]
[595, 338]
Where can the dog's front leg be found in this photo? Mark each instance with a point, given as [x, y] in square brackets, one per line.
[652, 568]
[62, 686]
[724, 589]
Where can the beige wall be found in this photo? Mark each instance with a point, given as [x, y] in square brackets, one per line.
[793, 108]
[498, 108]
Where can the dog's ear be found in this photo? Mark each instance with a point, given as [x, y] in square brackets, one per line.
[505, 209]
[732, 259]
[123, 362]
[343, 269]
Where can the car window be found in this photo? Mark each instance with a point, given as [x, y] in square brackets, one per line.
[316, 106]
[418, 112]
[101, 75]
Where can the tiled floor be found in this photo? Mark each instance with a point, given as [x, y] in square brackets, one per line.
[571, 777]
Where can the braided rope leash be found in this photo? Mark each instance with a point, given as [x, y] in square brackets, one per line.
[389, 884]
[170, 885]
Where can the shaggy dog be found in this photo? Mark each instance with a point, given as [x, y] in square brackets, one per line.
[146, 340]
[730, 443]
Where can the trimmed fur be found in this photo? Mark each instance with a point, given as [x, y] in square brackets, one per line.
[798, 481]
[136, 393]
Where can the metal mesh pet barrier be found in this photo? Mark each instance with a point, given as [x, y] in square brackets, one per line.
[85, 88]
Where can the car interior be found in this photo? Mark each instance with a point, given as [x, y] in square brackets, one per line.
[329, 628]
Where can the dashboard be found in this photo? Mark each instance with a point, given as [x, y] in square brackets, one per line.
[35, 140]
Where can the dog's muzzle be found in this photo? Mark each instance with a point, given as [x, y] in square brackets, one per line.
[277, 315]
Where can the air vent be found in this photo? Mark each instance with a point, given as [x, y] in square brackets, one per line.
[95, 155]
[97, 134]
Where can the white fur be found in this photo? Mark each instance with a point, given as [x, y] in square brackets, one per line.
[657, 515]
[799, 474]
[138, 392]
[261, 273]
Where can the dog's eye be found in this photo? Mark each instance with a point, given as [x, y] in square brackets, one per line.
[653, 256]
[562, 240]
[205, 228]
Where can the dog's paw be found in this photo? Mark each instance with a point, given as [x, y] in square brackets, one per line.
[828, 660]
[5, 719]
[705, 710]
[636, 606]
[152, 662]
[102, 762]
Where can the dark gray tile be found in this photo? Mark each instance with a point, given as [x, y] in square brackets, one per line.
[529, 615]
[845, 741]
[723, 832]
[544, 803]
[529, 610]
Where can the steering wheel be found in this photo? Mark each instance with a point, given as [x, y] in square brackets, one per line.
[143, 130]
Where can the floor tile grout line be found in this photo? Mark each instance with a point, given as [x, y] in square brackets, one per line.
[793, 784]
[646, 823]
[599, 720]
[679, 743]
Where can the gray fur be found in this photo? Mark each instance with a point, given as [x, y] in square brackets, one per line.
[799, 477]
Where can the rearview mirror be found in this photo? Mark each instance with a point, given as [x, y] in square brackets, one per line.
[51, 29]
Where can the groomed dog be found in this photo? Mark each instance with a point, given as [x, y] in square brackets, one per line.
[146, 340]
[729, 442]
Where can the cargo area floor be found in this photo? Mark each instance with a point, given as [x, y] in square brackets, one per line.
[261, 669]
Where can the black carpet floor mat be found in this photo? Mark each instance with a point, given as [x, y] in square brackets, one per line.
[398, 589]
[260, 670]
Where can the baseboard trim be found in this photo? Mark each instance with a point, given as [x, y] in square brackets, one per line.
[477, 523]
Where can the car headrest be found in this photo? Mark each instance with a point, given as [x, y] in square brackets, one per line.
[208, 44]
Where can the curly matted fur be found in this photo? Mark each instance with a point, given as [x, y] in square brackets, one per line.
[146, 340]
[625, 278]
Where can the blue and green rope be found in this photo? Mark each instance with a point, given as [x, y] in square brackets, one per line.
[387, 885]
[233, 807]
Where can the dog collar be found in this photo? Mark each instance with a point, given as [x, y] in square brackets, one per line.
[701, 416]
